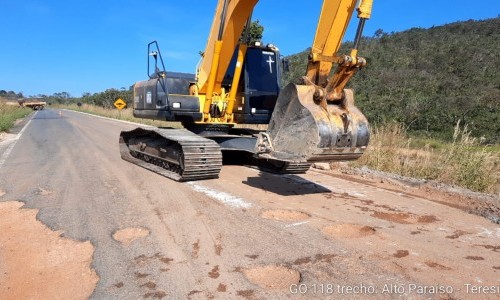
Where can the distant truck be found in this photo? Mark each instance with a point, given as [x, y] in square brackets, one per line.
[35, 105]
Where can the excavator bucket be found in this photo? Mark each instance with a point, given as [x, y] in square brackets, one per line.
[302, 131]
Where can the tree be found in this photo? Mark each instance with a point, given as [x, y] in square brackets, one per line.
[107, 98]
[255, 32]
[379, 33]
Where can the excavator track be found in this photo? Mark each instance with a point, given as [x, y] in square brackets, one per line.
[295, 168]
[283, 167]
[174, 153]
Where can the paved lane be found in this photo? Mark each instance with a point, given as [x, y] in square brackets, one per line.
[248, 234]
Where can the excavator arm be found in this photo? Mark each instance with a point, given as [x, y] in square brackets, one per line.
[318, 121]
[229, 20]
[332, 25]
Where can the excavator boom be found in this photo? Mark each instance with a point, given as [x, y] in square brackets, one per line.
[229, 20]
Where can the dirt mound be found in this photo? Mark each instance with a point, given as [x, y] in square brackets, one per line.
[348, 230]
[284, 215]
[127, 235]
[273, 277]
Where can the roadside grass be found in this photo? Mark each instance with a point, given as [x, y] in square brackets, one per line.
[125, 114]
[9, 114]
[462, 162]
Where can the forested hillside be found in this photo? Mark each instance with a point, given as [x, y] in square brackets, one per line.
[430, 78]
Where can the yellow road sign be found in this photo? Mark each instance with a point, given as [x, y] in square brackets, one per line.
[120, 104]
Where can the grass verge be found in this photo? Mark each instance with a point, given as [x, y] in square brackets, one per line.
[9, 114]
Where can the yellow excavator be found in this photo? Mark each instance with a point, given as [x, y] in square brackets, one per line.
[237, 83]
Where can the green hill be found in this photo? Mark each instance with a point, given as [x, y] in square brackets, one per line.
[429, 79]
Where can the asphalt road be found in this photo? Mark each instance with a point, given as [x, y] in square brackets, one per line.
[247, 234]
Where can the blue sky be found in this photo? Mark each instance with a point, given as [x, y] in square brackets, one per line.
[88, 46]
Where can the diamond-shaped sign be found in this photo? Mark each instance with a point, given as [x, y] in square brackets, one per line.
[120, 104]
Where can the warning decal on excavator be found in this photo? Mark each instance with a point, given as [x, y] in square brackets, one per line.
[120, 104]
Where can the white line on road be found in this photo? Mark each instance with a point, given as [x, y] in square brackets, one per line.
[106, 118]
[13, 142]
[220, 196]
[296, 224]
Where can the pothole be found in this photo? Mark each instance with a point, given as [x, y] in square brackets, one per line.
[405, 218]
[127, 235]
[284, 215]
[348, 230]
[37, 263]
[401, 253]
[44, 192]
[272, 277]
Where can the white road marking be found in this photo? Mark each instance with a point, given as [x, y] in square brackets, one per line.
[220, 196]
[487, 232]
[13, 142]
[217, 195]
[110, 119]
[296, 224]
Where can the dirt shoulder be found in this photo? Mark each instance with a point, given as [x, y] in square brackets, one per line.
[481, 204]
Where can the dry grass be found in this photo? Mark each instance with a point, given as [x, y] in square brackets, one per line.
[463, 162]
[124, 114]
[10, 113]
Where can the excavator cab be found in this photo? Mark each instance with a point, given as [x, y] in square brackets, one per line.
[167, 96]
[259, 86]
